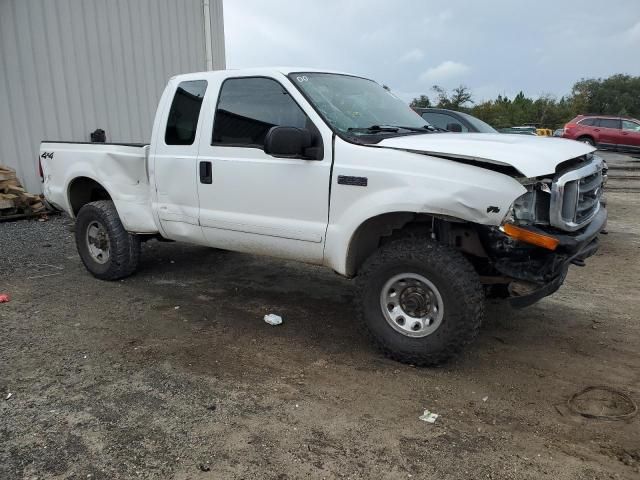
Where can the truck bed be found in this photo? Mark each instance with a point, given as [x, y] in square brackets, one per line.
[120, 168]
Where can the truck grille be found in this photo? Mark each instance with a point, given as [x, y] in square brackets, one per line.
[575, 196]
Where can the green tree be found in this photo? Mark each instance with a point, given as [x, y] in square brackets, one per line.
[456, 100]
[615, 95]
[420, 102]
[460, 96]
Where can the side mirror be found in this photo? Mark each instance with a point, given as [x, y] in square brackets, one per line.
[287, 141]
[454, 127]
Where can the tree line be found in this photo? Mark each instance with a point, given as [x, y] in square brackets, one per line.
[616, 95]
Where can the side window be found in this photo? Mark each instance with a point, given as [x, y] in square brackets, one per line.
[588, 122]
[631, 126]
[249, 107]
[609, 123]
[185, 110]
[441, 120]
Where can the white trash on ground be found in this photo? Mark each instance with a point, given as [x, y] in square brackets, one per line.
[272, 319]
[429, 417]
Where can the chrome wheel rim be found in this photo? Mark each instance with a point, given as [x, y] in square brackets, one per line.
[412, 305]
[98, 242]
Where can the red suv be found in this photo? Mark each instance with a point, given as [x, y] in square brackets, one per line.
[605, 131]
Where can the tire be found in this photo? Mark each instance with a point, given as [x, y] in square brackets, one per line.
[457, 287]
[107, 250]
[588, 140]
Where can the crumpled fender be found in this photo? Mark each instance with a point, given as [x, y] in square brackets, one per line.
[399, 181]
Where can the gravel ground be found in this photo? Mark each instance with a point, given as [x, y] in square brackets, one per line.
[27, 244]
[172, 373]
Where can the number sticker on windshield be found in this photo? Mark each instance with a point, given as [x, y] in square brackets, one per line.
[302, 78]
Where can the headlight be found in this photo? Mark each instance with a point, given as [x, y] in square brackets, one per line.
[531, 207]
[524, 208]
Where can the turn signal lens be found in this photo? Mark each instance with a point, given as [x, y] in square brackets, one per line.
[527, 236]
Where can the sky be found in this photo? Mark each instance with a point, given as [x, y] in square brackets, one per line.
[491, 46]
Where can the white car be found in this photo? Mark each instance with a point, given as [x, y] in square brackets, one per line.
[332, 169]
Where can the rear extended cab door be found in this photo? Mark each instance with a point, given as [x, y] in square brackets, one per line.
[173, 162]
[252, 201]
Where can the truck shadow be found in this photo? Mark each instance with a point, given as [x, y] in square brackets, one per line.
[226, 295]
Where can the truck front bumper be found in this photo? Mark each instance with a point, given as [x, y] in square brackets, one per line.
[535, 279]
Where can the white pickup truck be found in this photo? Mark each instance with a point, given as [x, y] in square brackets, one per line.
[332, 169]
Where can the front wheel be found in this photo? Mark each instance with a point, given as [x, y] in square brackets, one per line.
[107, 250]
[421, 302]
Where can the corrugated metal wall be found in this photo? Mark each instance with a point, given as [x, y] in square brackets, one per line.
[68, 67]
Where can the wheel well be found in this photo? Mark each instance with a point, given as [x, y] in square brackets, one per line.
[381, 229]
[85, 190]
[586, 136]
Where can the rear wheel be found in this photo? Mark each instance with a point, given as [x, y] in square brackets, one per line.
[421, 302]
[107, 250]
[587, 140]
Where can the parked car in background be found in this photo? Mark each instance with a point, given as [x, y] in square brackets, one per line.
[604, 131]
[558, 132]
[453, 121]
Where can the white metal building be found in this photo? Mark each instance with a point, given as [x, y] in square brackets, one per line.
[69, 67]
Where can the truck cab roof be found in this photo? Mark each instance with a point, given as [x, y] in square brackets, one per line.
[247, 72]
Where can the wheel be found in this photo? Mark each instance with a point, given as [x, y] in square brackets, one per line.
[107, 250]
[420, 301]
[587, 140]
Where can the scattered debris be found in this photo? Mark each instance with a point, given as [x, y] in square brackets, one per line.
[212, 407]
[429, 417]
[204, 467]
[43, 276]
[177, 307]
[272, 319]
[558, 407]
[4, 298]
[484, 399]
[609, 403]
[14, 199]
[9, 395]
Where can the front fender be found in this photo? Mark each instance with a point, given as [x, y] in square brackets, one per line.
[417, 184]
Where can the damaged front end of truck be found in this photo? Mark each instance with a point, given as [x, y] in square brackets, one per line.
[554, 225]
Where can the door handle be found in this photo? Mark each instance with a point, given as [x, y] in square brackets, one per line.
[206, 175]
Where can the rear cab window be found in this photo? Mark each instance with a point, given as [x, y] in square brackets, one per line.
[182, 121]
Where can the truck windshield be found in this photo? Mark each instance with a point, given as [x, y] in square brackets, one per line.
[357, 106]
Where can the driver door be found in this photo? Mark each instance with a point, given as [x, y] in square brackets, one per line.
[249, 200]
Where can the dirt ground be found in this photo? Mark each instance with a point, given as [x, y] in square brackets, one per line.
[174, 374]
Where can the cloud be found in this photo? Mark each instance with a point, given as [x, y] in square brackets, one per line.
[412, 48]
[445, 71]
[633, 34]
[414, 55]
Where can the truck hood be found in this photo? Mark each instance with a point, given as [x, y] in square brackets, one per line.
[532, 156]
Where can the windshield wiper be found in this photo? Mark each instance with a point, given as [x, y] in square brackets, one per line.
[374, 128]
[395, 128]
